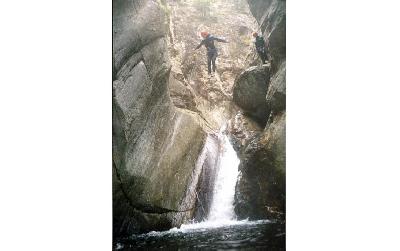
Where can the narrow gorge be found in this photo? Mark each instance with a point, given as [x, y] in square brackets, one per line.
[191, 151]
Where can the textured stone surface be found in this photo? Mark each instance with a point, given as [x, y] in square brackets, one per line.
[261, 184]
[276, 95]
[249, 92]
[159, 151]
[164, 156]
[242, 129]
[205, 187]
[191, 87]
[181, 95]
[136, 23]
[271, 16]
[260, 190]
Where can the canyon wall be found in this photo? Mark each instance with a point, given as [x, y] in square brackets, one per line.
[260, 190]
[190, 86]
[159, 151]
[166, 112]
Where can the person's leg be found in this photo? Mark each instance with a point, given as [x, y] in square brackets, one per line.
[265, 56]
[209, 63]
[261, 56]
[213, 63]
[214, 59]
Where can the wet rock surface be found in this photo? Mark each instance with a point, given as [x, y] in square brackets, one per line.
[271, 17]
[276, 95]
[192, 88]
[260, 189]
[166, 111]
[249, 92]
[158, 149]
[242, 129]
[205, 187]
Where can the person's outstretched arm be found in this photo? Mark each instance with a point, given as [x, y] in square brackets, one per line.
[220, 40]
[202, 42]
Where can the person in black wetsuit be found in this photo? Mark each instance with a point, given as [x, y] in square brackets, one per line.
[212, 52]
[260, 47]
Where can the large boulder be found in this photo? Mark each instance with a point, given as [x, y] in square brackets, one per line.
[271, 17]
[249, 92]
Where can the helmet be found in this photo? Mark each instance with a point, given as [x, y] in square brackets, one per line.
[204, 34]
[255, 34]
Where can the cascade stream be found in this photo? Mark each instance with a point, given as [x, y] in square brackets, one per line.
[171, 109]
[221, 210]
[221, 229]
[224, 189]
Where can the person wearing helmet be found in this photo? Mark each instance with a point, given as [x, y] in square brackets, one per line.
[212, 52]
[260, 46]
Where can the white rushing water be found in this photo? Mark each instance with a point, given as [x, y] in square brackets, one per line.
[224, 190]
[221, 210]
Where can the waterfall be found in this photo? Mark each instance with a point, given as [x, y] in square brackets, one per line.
[221, 211]
[224, 189]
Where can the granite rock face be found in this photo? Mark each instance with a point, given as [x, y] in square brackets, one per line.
[249, 92]
[276, 95]
[190, 86]
[271, 17]
[159, 151]
[167, 112]
[261, 187]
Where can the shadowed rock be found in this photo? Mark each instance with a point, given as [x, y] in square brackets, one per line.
[249, 92]
[158, 150]
[260, 190]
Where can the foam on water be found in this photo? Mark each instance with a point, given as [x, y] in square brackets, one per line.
[203, 226]
[221, 211]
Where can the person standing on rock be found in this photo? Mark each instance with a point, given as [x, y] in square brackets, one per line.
[212, 52]
[260, 47]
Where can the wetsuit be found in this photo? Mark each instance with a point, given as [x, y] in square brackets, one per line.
[212, 52]
[260, 47]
